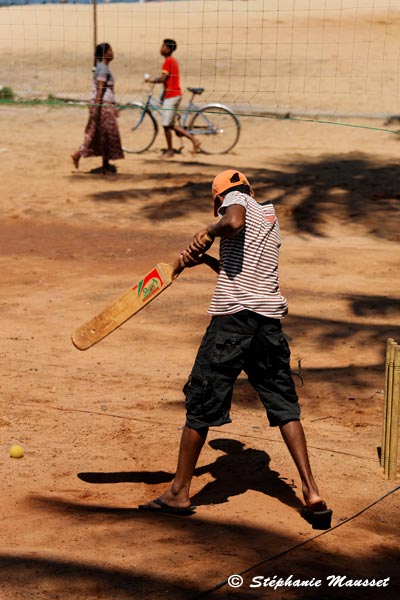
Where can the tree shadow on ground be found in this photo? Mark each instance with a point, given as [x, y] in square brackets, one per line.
[181, 197]
[329, 332]
[351, 189]
[381, 306]
[260, 550]
[40, 577]
[239, 470]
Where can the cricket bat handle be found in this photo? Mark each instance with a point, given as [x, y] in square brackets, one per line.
[207, 238]
[177, 268]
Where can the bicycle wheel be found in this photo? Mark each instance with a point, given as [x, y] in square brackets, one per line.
[138, 128]
[217, 127]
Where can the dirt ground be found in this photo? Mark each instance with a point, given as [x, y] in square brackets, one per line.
[101, 428]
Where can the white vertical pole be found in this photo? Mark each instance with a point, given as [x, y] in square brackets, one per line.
[94, 29]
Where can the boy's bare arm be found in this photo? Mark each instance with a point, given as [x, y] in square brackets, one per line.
[161, 79]
[211, 262]
[230, 224]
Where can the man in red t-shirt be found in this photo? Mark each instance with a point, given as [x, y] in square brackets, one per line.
[171, 97]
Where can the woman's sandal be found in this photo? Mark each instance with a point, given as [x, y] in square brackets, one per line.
[108, 168]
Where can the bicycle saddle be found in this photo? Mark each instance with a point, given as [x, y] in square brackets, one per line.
[196, 90]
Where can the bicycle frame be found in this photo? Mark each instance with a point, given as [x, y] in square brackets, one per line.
[215, 122]
[154, 104]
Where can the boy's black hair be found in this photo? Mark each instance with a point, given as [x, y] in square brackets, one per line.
[171, 44]
[100, 51]
[245, 189]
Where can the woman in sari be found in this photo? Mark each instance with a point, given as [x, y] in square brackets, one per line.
[101, 133]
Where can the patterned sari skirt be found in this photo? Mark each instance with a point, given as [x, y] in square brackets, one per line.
[102, 137]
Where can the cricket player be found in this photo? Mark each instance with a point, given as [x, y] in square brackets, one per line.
[245, 333]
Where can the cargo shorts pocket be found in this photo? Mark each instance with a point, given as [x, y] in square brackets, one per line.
[198, 397]
[229, 350]
[278, 351]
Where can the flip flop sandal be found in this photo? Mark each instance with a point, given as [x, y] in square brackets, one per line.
[165, 508]
[319, 516]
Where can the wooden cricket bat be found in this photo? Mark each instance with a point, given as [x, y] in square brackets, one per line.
[124, 307]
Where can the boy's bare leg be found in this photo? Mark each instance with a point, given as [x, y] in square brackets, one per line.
[168, 136]
[189, 136]
[293, 435]
[192, 441]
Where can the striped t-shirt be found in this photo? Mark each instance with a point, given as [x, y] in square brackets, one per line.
[248, 277]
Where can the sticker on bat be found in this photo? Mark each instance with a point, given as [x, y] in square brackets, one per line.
[148, 286]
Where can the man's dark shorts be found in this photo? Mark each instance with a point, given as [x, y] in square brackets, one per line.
[232, 343]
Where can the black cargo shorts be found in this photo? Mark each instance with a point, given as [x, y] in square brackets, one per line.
[232, 343]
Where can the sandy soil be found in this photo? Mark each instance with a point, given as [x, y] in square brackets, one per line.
[101, 428]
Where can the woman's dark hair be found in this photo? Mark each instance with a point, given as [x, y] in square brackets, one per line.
[171, 44]
[100, 51]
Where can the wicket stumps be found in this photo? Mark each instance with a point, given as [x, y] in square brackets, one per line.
[390, 426]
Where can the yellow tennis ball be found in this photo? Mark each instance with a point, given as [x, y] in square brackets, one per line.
[16, 451]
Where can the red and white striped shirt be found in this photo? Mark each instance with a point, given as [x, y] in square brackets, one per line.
[248, 276]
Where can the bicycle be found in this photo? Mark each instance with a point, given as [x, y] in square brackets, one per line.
[216, 123]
